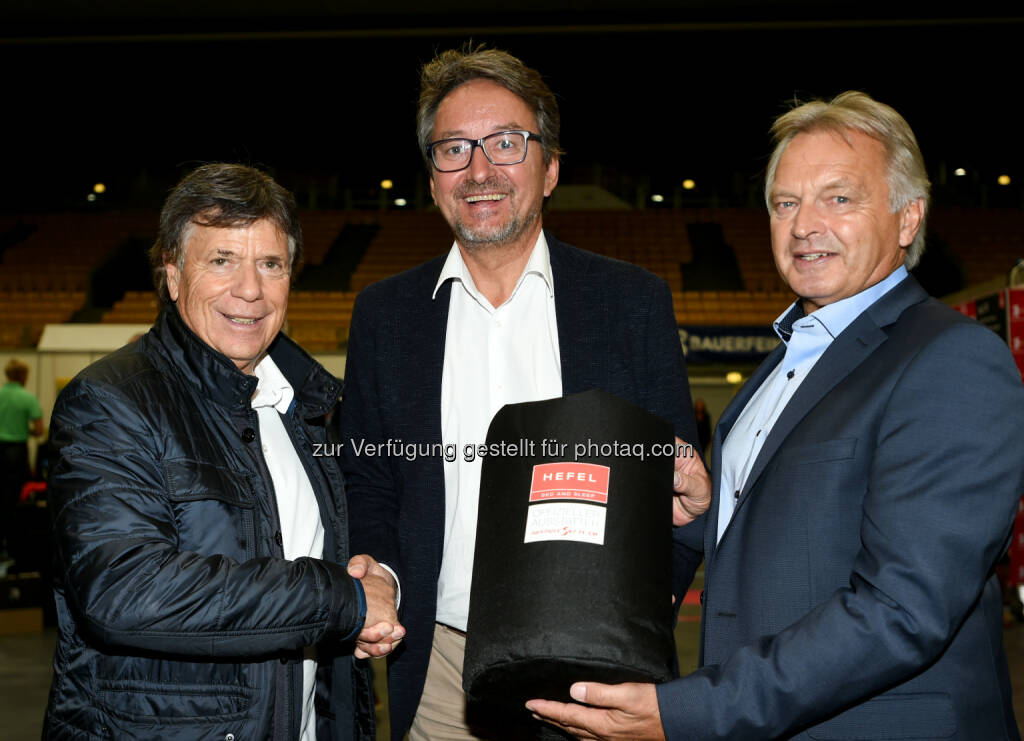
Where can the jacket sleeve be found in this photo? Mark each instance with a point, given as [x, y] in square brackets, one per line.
[126, 579]
[943, 483]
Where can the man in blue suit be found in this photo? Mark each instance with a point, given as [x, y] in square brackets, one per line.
[865, 481]
[510, 314]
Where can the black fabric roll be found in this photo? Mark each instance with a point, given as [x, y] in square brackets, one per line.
[588, 480]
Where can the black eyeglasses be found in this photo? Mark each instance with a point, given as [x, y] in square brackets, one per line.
[502, 148]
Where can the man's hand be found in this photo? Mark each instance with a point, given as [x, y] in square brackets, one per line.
[691, 484]
[381, 630]
[612, 711]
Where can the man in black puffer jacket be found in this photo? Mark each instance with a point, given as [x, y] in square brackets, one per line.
[201, 531]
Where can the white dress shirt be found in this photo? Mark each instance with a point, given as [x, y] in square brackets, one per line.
[302, 531]
[492, 357]
[807, 338]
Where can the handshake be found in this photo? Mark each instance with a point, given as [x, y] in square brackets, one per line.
[381, 630]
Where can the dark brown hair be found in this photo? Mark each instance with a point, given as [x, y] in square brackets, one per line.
[226, 196]
[456, 67]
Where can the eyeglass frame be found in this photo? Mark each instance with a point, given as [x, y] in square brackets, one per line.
[474, 143]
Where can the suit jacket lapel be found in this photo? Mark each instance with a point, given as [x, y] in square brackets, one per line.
[434, 332]
[424, 333]
[576, 309]
[732, 412]
[725, 423]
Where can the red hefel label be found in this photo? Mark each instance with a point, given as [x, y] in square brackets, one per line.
[580, 481]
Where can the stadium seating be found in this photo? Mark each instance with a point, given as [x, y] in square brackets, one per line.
[45, 272]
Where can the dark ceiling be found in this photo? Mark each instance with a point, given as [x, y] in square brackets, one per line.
[131, 93]
[26, 18]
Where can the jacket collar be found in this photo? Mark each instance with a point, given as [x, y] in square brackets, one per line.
[455, 269]
[575, 302]
[211, 375]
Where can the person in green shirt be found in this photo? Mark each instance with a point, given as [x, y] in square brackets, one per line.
[20, 416]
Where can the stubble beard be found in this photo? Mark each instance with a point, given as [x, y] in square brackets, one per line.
[474, 238]
[479, 238]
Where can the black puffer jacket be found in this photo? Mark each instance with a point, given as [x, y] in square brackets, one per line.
[179, 616]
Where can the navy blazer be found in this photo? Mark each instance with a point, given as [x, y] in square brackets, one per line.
[616, 331]
[853, 594]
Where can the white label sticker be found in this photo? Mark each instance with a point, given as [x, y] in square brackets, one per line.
[565, 521]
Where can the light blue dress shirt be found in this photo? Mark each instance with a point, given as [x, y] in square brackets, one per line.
[807, 337]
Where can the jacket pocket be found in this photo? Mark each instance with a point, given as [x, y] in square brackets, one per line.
[820, 452]
[189, 481]
[926, 715]
[166, 703]
[214, 508]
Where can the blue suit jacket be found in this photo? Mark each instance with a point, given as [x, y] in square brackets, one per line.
[852, 595]
[616, 331]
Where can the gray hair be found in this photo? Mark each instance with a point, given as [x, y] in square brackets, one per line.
[856, 111]
[455, 67]
[225, 196]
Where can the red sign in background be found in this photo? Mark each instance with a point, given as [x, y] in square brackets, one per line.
[1003, 312]
[1015, 325]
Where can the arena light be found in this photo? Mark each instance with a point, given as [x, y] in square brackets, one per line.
[401, 202]
[733, 377]
[387, 184]
[99, 188]
[657, 198]
[91, 197]
[689, 184]
[959, 172]
[1003, 180]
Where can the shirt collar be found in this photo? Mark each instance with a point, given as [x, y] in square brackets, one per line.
[274, 389]
[838, 316]
[455, 268]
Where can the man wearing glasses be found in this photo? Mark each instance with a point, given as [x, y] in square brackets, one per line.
[509, 315]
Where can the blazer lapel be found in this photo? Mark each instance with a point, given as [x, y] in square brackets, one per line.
[423, 335]
[434, 332]
[725, 423]
[576, 315]
[736, 406]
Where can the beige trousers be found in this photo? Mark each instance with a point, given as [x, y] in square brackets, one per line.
[441, 715]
